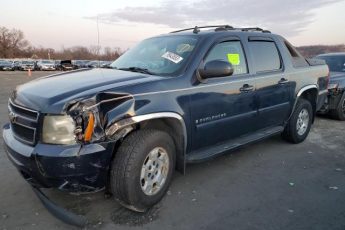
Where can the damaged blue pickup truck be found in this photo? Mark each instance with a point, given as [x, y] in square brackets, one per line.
[335, 102]
[174, 99]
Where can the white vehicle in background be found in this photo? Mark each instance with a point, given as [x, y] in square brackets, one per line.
[26, 65]
[45, 65]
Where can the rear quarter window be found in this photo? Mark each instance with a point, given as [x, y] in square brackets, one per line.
[296, 58]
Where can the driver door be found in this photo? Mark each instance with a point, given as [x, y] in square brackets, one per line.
[224, 108]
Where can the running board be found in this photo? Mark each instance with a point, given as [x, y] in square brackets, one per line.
[214, 151]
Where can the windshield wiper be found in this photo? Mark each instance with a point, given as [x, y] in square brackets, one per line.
[137, 69]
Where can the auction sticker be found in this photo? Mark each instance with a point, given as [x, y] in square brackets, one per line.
[234, 59]
[172, 57]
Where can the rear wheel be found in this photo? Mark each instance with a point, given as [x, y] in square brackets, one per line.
[142, 169]
[339, 113]
[299, 124]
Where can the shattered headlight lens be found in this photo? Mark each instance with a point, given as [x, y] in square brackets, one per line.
[58, 130]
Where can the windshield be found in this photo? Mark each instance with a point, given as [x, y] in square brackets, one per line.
[48, 62]
[160, 55]
[28, 62]
[5, 63]
[335, 63]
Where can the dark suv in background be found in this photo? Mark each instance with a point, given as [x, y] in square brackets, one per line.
[6, 65]
[335, 102]
[65, 65]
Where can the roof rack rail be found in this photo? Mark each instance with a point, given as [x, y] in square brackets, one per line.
[196, 29]
[253, 29]
[244, 29]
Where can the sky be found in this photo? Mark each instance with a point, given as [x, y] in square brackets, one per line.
[123, 23]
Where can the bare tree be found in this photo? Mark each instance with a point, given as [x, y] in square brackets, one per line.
[14, 45]
[39, 52]
[111, 54]
[312, 51]
[81, 52]
[12, 42]
[95, 50]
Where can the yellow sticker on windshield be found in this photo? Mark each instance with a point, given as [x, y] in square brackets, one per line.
[234, 59]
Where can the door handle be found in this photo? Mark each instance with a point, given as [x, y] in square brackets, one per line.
[283, 81]
[246, 88]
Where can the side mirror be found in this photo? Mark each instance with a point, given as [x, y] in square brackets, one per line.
[216, 68]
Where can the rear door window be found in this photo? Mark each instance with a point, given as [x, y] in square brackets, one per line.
[265, 56]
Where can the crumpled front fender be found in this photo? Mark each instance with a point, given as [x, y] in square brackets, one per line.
[106, 109]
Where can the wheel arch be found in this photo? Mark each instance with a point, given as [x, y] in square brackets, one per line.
[309, 93]
[169, 122]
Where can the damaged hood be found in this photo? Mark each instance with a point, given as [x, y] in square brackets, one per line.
[49, 94]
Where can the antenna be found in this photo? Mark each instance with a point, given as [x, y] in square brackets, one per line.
[98, 47]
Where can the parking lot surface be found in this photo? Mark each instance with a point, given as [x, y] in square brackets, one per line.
[268, 185]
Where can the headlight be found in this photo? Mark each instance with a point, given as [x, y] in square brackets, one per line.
[58, 130]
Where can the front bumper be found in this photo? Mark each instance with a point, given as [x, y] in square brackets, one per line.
[67, 68]
[321, 99]
[51, 68]
[332, 100]
[6, 68]
[60, 213]
[77, 168]
[27, 67]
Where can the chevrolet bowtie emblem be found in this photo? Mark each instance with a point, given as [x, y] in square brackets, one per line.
[12, 117]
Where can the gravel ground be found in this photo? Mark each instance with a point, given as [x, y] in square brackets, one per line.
[268, 185]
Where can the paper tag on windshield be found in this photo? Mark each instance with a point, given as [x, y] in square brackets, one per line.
[172, 57]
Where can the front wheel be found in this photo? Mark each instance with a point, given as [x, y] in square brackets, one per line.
[142, 169]
[298, 127]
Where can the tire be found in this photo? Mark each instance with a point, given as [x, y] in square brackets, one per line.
[339, 113]
[126, 177]
[298, 127]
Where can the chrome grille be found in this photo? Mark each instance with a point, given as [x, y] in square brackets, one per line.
[24, 123]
